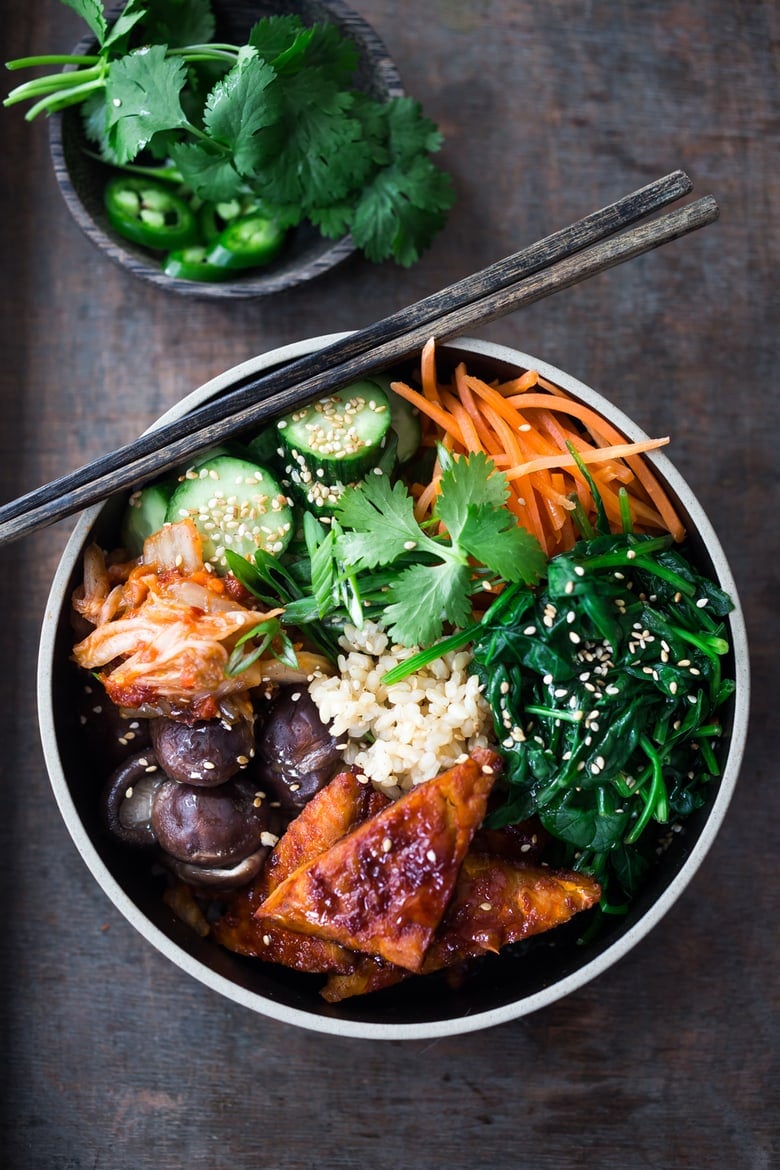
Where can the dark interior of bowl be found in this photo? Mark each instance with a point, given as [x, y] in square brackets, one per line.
[307, 254]
[521, 971]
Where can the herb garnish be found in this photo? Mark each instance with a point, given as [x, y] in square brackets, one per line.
[482, 544]
[276, 117]
[375, 554]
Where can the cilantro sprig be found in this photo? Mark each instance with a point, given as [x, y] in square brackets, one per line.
[480, 545]
[375, 560]
[276, 117]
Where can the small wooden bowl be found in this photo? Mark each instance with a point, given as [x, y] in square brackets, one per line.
[82, 178]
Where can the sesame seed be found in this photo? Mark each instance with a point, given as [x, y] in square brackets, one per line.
[387, 845]
[485, 906]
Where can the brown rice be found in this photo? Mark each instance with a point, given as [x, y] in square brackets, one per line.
[401, 735]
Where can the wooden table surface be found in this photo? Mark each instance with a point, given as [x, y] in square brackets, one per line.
[114, 1059]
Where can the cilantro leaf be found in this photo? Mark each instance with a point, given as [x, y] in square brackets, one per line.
[142, 96]
[118, 36]
[93, 113]
[409, 131]
[333, 221]
[93, 13]
[401, 210]
[467, 482]
[276, 36]
[207, 170]
[381, 517]
[423, 597]
[378, 528]
[177, 23]
[240, 104]
[328, 50]
[315, 153]
[495, 539]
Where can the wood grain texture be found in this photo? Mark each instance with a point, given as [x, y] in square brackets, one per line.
[111, 1058]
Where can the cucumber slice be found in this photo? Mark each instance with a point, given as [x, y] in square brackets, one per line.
[145, 513]
[235, 505]
[342, 436]
[197, 461]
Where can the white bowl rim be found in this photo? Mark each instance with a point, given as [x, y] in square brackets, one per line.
[435, 1028]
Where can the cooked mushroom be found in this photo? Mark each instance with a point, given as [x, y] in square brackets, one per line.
[126, 802]
[296, 754]
[211, 827]
[216, 878]
[206, 753]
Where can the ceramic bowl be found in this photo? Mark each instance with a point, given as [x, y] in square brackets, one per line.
[505, 988]
[307, 254]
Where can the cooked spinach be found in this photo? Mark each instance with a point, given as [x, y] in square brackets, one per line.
[604, 687]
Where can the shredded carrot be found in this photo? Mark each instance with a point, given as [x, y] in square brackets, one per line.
[447, 423]
[430, 383]
[594, 455]
[524, 425]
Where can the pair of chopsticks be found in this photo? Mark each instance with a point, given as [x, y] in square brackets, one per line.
[567, 257]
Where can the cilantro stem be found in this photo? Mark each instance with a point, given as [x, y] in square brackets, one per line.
[206, 53]
[51, 83]
[51, 59]
[69, 97]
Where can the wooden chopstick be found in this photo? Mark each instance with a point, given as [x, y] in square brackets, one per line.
[565, 242]
[377, 347]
